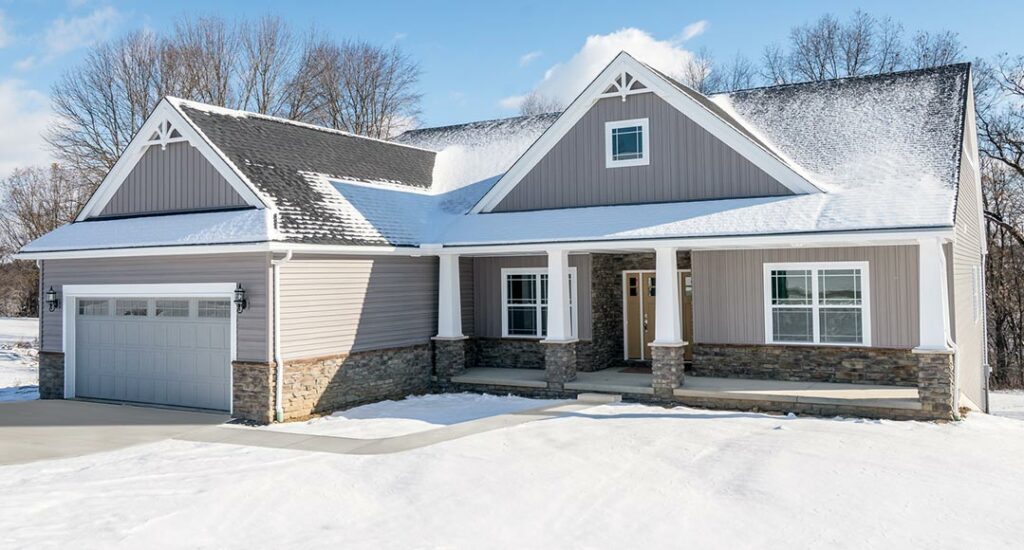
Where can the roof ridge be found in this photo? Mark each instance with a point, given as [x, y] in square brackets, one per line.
[904, 72]
[225, 111]
[485, 121]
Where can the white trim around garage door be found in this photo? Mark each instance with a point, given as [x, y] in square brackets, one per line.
[71, 294]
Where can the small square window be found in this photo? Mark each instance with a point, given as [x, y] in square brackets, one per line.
[627, 143]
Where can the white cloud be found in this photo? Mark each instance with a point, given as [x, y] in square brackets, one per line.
[564, 81]
[5, 35]
[24, 115]
[65, 35]
[26, 63]
[693, 30]
[512, 102]
[528, 58]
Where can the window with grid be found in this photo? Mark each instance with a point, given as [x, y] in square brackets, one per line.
[93, 307]
[131, 307]
[627, 143]
[817, 304]
[171, 308]
[214, 309]
[525, 303]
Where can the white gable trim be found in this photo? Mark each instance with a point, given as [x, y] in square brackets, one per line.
[624, 63]
[165, 119]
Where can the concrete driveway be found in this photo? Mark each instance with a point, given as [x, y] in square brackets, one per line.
[39, 430]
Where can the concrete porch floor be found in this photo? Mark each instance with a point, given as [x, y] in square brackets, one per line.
[613, 380]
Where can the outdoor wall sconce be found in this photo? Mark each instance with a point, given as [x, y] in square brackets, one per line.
[240, 301]
[51, 299]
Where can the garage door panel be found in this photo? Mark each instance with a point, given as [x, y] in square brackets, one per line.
[173, 359]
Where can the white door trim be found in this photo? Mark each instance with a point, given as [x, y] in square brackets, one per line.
[71, 294]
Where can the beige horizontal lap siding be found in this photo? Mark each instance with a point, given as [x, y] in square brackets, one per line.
[728, 292]
[251, 270]
[175, 179]
[487, 291]
[333, 305]
[967, 307]
[686, 163]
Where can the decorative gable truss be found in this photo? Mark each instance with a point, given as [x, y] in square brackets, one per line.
[165, 126]
[623, 77]
[624, 85]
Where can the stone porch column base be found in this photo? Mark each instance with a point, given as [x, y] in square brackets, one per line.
[559, 362]
[449, 357]
[667, 363]
[936, 384]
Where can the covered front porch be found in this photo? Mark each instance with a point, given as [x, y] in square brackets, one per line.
[579, 301]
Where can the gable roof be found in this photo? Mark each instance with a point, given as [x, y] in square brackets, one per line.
[697, 108]
[283, 159]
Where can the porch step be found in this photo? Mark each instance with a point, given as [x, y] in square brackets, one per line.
[598, 398]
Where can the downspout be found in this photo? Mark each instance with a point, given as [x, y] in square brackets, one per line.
[278, 362]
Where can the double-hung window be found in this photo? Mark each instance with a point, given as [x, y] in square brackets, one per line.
[825, 303]
[524, 302]
[627, 143]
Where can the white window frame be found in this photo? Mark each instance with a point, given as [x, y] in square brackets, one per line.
[645, 142]
[71, 293]
[814, 268]
[538, 271]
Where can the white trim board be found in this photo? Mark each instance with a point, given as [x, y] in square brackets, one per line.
[701, 115]
[69, 305]
[166, 112]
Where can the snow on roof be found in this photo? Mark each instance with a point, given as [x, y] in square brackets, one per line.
[808, 213]
[227, 227]
[865, 133]
[477, 151]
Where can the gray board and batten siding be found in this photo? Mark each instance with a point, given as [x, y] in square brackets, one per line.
[176, 179]
[728, 292]
[686, 163]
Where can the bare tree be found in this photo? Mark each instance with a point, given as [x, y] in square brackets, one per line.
[857, 44]
[775, 65]
[536, 104]
[816, 49]
[33, 202]
[698, 71]
[934, 49]
[889, 46]
[267, 49]
[261, 66]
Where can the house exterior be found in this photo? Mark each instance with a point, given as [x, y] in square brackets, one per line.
[826, 232]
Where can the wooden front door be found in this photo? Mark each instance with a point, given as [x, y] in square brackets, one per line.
[640, 289]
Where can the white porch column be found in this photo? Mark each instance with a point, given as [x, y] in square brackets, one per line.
[933, 301]
[559, 322]
[668, 330]
[449, 299]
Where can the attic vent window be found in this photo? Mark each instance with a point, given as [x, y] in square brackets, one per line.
[627, 143]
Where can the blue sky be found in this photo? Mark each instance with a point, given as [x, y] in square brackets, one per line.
[476, 56]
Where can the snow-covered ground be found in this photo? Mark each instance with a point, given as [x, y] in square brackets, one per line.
[412, 415]
[623, 476]
[1008, 403]
[19, 366]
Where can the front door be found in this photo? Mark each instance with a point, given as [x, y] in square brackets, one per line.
[640, 294]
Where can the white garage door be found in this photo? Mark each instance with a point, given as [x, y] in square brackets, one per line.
[167, 351]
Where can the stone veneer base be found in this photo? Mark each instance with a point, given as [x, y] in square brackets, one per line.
[326, 384]
[852, 365]
[51, 375]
